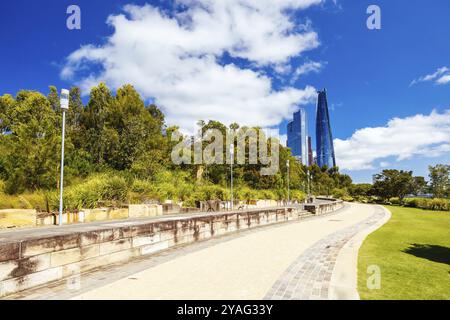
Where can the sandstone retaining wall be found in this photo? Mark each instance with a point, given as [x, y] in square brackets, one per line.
[324, 207]
[44, 258]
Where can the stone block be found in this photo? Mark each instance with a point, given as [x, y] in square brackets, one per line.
[98, 236]
[71, 270]
[45, 219]
[205, 235]
[63, 257]
[114, 246]
[142, 229]
[144, 210]
[21, 267]
[31, 280]
[116, 214]
[9, 251]
[91, 215]
[145, 240]
[167, 235]
[90, 251]
[152, 248]
[38, 246]
[101, 261]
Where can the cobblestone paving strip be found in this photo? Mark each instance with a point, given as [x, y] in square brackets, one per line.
[308, 278]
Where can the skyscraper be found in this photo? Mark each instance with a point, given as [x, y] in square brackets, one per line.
[310, 152]
[324, 138]
[297, 136]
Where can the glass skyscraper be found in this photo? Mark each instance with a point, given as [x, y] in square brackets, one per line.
[324, 139]
[297, 136]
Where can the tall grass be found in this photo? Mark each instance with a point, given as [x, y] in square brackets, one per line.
[36, 200]
[98, 190]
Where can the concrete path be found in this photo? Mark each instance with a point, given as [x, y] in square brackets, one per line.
[289, 261]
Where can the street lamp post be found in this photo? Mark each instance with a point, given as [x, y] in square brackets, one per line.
[288, 184]
[231, 173]
[309, 184]
[64, 101]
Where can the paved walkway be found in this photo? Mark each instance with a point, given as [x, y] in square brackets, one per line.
[289, 261]
[310, 276]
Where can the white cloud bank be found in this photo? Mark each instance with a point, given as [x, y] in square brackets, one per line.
[441, 76]
[425, 135]
[175, 57]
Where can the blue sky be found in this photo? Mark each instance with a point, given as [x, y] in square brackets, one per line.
[368, 73]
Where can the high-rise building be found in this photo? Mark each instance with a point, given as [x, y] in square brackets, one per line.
[297, 136]
[310, 152]
[324, 138]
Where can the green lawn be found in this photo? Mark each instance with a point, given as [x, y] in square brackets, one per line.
[412, 251]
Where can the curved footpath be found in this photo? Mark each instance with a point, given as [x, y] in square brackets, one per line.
[314, 258]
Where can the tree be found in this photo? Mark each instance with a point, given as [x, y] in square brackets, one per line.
[30, 159]
[360, 189]
[53, 98]
[440, 182]
[419, 185]
[75, 110]
[395, 183]
[100, 141]
[118, 132]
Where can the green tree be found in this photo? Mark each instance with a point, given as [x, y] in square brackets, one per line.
[360, 189]
[394, 183]
[100, 140]
[440, 182]
[53, 98]
[30, 158]
[141, 145]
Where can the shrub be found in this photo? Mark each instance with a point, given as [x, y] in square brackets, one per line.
[189, 202]
[142, 191]
[267, 195]
[339, 193]
[211, 192]
[247, 194]
[429, 204]
[348, 198]
[142, 186]
[298, 195]
[184, 191]
[166, 191]
[36, 200]
[97, 190]
[12, 202]
[281, 194]
[361, 199]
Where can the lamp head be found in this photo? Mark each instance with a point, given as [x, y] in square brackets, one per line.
[64, 100]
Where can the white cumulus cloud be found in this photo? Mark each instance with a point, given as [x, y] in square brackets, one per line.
[306, 68]
[444, 79]
[441, 76]
[175, 57]
[425, 135]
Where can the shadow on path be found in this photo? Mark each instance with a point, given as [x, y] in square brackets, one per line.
[431, 252]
